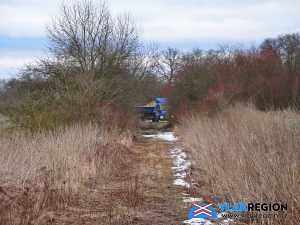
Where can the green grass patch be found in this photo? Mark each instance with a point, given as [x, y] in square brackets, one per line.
[292, 122]
[5, 124]
[152, 125]
[152, 128]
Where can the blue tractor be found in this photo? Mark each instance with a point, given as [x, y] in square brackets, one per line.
[155, 110]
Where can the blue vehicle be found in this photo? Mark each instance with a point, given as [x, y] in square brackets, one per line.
[154, 111]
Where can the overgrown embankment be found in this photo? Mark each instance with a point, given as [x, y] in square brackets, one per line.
[245, 155]
[45, 172]
[85, 174]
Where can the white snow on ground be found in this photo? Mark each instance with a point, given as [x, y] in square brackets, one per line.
[181, 166]
[190, 199]
[227, 222]
[181, 182]
[167, 136]
[197, 221]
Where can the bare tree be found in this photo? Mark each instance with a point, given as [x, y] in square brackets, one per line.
[86, 35]
[168, 64]
[288, 46]
[93, 58]
[80, 33]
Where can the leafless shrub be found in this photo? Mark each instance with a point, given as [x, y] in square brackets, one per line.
[130, 192]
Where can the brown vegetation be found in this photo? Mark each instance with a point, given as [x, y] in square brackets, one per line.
[207, 81]
[85, 175]
[69, 157]
[103, 66]
[45, 171]
[244, 155]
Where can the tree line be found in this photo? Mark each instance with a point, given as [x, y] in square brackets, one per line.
[267, 75]
[98, 67]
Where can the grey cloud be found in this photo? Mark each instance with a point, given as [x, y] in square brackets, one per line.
[170, 19]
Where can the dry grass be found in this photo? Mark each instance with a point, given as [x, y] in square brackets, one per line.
[86, 175]
[244, 155]
[2, 117]
[43, 172]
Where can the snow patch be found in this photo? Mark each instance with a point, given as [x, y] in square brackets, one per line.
[181, 182]
[181, 166]
[166, 136]
[190, 199]
[180, 163]
[198, 221]
[227, 222]
[181, 175]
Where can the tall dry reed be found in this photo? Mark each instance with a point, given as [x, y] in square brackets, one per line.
[43, 171]
[245, 155]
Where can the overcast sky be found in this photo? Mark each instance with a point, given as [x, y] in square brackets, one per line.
[183, 24]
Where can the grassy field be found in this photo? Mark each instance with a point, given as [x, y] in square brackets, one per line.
[245, 155]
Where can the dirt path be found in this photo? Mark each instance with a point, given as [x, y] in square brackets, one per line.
[163, 199]
[143, 193]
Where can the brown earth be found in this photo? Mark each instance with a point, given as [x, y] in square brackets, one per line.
[141, 193]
